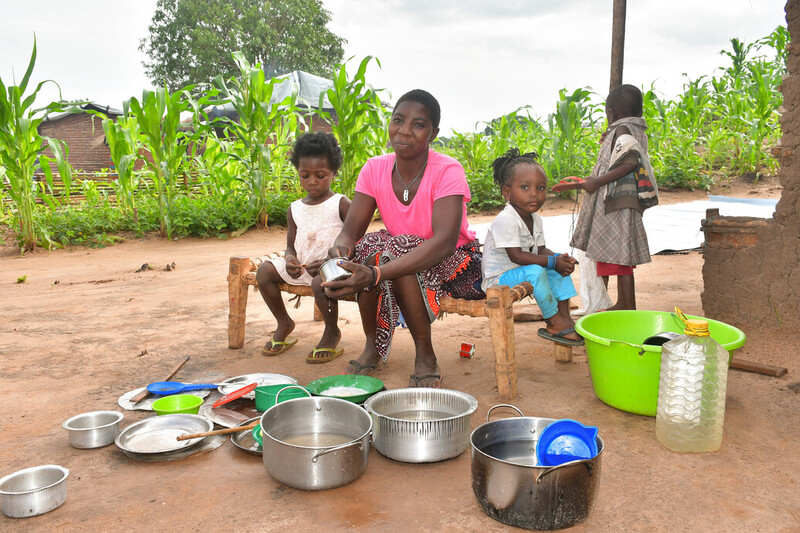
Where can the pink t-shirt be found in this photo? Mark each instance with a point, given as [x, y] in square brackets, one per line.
[444, 176]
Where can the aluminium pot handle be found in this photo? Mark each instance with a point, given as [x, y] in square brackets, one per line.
[336, 448]
[508, 405]
[291, 387]
[588, 463]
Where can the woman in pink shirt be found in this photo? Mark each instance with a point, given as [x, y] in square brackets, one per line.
[426, 250]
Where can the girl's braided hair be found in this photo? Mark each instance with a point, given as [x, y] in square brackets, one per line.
[503, 166]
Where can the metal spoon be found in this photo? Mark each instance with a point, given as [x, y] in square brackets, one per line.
[163, 388]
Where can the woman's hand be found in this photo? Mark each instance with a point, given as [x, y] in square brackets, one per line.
[361, 278]
[565, 264]
[340, 250]
[590, 185]
[293, 267]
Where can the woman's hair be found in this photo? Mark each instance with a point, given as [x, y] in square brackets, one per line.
[318, 144]
[625, 101]
[426, 99]
[504, 165]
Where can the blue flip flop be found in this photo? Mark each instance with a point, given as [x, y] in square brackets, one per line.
[560, 337]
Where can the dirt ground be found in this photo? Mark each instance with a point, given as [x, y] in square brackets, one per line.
[85, 328]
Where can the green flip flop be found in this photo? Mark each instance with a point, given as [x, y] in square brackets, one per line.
[328, 354]
[269, 350]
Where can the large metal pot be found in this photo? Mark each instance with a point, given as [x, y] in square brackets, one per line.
[33, 491]
[93, 430]
[421, 425]
[512, 488]
[315, 443]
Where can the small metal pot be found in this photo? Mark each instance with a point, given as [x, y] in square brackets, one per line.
[94, 429]
[331, 271]
[33, 491]
[315, 466]
[513, 489]
[421, 425]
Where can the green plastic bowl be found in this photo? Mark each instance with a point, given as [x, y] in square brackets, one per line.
[177, 403]
[368, 383]
[265, 395]
[624, 372]
[257, 431]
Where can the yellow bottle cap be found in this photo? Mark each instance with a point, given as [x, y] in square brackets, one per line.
[696, 327]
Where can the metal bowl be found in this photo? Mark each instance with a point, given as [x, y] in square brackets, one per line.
[331, 271]
[421, 425]
[33, 491]
[93, 430]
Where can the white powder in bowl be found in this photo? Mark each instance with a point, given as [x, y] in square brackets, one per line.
[342, 391]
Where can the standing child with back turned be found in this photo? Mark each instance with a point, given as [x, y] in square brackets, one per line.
[609, 227]
[313, 223]
[515, 249]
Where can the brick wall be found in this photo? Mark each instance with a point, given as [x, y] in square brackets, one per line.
[84, 135]
[751, 272]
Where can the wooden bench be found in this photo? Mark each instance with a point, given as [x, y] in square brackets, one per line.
[497, 307]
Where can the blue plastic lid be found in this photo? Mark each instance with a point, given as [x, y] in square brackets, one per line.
[566, 440]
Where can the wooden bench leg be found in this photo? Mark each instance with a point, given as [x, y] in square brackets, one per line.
[562, 353]
[237, 301]
[499, 308]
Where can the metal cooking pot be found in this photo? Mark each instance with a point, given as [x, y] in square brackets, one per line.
[33, 491]
[296, 442]
[421, 425]
[513, 489]
[331, 271]
[94, 429]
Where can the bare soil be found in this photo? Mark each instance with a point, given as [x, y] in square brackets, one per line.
[85, 327]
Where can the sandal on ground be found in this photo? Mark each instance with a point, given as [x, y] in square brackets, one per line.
[430, 381]
[560, 337]
[323, 355]
[269, 348]
[362, 370]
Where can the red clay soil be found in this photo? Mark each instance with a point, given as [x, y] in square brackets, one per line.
[104, 329]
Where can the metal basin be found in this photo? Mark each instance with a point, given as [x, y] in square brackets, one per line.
[315, 443]
[33, 491]
[93, 430]
[421, 425]
[512, 488]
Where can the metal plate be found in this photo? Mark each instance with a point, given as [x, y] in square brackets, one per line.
[125, 402]
[244, 439]
[158, 434]
[208, 444]
[231, 414]
[231, 384]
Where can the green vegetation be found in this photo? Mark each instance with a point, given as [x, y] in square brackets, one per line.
[181, 173]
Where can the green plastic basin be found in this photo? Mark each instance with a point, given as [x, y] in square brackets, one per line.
[624, 372]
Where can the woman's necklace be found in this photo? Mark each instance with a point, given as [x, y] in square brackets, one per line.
[407, 187]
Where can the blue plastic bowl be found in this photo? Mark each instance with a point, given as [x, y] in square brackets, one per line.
[566, 440]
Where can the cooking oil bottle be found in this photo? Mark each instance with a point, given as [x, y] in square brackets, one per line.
[691, 391]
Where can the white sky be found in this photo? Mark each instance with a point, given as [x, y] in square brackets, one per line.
[480, 58]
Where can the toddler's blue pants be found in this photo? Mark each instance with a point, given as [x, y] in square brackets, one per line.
[549, 287]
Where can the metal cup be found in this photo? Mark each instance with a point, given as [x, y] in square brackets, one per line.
[331, 271]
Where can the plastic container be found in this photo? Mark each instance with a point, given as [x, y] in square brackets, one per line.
[624, 370]
[566, 440]
[178, 403]
[265, 394]
[691, 392]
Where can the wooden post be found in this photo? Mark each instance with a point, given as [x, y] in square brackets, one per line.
[237, 301]
[501, 323]
[563, 353]
[617, 44]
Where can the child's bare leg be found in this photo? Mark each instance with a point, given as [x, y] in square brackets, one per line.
[368, 309]
[268, 279]
[626, 293]
[409, 298]
[329, 308]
